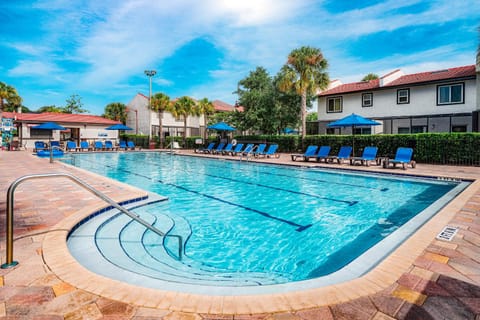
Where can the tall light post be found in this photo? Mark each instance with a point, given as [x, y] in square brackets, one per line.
[150, 74]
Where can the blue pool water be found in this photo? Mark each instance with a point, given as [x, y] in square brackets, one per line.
[247, 224]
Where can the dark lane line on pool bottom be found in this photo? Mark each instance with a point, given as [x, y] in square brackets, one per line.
[299, 227]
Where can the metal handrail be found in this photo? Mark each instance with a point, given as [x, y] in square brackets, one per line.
[10, 201]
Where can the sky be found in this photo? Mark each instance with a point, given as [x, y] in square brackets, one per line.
[99, 50]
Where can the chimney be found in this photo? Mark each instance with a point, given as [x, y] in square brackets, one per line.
[389, 77]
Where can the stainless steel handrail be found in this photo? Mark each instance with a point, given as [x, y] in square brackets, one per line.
[10, 204]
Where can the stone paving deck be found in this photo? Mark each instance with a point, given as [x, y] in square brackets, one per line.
[423, 279]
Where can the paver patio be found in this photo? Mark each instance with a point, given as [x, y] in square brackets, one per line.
[442, 281]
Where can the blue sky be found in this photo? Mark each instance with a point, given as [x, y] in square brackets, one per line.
[52, 49]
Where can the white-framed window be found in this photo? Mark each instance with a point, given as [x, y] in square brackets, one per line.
[450, 94]
[334, 104]
[367, 99]
[403, 96]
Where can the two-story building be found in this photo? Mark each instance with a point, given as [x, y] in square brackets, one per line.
[434, 101]
[145, 121]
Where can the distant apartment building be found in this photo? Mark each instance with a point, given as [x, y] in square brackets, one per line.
[435, 101]
[145, 121]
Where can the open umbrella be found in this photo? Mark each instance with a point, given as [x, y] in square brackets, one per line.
[118, 126]
[49, 126]
[353, 120]
[221, 126]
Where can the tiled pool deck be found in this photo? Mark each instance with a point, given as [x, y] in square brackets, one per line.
[425, 278]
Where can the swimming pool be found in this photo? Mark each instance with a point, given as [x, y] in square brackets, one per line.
[251, 225]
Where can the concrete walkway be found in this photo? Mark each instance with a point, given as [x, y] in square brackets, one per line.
[424, 279]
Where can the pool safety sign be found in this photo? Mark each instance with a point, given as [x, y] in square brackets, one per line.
[447, 233]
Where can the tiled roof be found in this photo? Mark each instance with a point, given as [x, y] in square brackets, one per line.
[222, 106]
[58, 117]
[423, 77]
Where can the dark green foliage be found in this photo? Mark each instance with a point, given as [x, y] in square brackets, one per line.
[140, 140]
[432, 148]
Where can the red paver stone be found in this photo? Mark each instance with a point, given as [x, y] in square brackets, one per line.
[358, 309]
[322, 313]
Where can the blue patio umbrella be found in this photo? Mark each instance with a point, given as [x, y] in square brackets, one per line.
[221, 126]
[353, 120]
[118, 126]
[49, 126]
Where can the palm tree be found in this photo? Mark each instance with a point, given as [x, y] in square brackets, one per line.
[305, 73]
[159, 103]
[116, 111]
[206, 108]
[184, 107]
[8, 94]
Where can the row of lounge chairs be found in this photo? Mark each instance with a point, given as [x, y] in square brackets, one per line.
[85, 146]
[250, 149]
[403, 156]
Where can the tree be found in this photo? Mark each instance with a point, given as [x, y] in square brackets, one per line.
[312, 116]
[8, 95]
[116, 111]
[74, 105]
[52, 108]
[370, 76]
[206, 108]
[182, 108]
[257, 96]
[159, 103]
[305, 73]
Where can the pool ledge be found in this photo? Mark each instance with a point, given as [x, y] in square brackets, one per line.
[58, 258]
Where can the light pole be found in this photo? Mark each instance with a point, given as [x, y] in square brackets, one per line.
[150, 74]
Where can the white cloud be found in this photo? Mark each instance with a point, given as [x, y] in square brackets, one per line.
[33, 68]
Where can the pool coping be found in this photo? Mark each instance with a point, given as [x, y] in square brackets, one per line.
[59, 260]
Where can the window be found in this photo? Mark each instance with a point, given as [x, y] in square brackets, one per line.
[459, 128]
[367, 99]
[419, 129]
[403, 96]
[363, 130]
[39, 133]
[403, 130]
[334, 104]
[450, 94]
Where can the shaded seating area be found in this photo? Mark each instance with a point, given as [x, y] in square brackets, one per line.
[369, 154]
[403, 156]
[309, 153]
[39, 145]
[344, 153]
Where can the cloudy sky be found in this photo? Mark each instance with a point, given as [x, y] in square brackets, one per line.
[52, 49]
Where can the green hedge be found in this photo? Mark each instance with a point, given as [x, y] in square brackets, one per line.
[433, 148]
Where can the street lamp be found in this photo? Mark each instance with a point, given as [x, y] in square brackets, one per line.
[150, 74]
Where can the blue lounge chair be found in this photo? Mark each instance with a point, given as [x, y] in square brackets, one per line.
[343, 154]
[208, 149]
[71, 146]
[122, 145]
[238, 149]
[248, 149]
[109, 145]
[271, 151]
[131, 145]
[227, 149]
[309, 153]
[39, 145]
[55, 144]
[84, 146]
[219, 148]
[56, 153]
[98, 145]
[323, 153]
[369, 154]
[259, 150]
[403, 157]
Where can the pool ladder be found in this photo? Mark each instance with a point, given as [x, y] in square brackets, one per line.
[9, 263]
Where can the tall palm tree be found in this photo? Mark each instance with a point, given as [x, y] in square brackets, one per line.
[206, 108]
[305, 73]
[184, 107]
[8, 94]
[159, 103]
